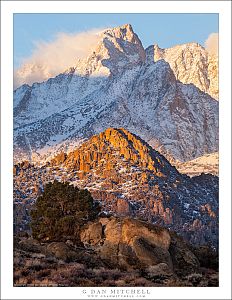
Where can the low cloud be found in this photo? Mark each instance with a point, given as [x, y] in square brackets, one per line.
[211, 44]
[52, 58]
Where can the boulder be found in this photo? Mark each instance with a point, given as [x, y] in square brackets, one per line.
[184, 261]
[127, 242]
[109, 251]
[155, 235]
[113, 230]
[150, 255]
[131, 243]
[61, 251]
[92, 234]
[104, 220]
[30, 245]
[127, 256]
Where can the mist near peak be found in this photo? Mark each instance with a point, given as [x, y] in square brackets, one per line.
[211, 44]
[52, 58]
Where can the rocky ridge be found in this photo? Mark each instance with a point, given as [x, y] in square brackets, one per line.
[191, 63]
[129, 178]
[118, 85]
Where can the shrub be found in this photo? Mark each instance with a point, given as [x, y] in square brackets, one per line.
[60, 212]
[207, 256]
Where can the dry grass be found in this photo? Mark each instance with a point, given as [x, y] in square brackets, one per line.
[39, 269]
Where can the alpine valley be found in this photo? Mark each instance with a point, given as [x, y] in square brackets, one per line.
[138, 128]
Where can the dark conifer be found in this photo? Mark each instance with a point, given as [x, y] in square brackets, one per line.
[60, 212]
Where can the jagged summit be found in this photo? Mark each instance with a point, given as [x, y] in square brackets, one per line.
[118, 48]
[114, 46]
[191, 63]
[125, 32]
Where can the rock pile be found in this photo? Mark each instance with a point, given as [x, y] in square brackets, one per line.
[131, 243]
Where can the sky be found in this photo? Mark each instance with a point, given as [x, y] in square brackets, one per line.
[164, 29]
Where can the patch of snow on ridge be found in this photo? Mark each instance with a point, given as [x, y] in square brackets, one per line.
[208, 163]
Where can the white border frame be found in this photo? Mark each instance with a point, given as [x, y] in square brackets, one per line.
[11, 7]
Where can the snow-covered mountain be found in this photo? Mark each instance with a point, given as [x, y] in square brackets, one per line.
[191, 63]
[119, 85]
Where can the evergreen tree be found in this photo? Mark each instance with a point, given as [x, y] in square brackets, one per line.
[60, 212]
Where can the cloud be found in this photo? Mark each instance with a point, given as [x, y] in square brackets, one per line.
[211, 44]
[52, 58]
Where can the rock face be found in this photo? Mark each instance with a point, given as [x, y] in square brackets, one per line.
[119, 85]
[136, 244]
[129, 178]
[191, 63]
[98, 151]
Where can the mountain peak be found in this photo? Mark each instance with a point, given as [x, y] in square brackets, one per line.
[191, 63]
[112, 148]
[123, 29]
[118, 49]
[113, 87]
[124, 32]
